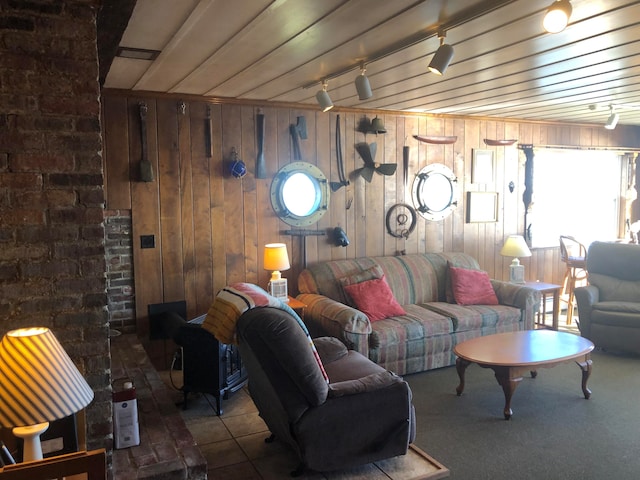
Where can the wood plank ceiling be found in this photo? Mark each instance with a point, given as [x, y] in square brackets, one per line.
[505, 65]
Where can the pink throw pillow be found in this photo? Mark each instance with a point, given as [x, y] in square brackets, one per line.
[375, 299]
[472, 287]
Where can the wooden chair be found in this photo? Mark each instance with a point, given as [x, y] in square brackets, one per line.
[89, 465]
[574, 255]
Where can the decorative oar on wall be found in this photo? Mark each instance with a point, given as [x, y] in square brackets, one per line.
[368, 153]
[146, 169]
[261, 168]
[335, 186]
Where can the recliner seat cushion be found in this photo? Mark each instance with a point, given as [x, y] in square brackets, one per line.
[620, 314]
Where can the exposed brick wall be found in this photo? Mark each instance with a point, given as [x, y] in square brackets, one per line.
[120, 282]
[52, 254]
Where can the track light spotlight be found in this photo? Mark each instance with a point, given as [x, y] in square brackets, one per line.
[363, 87]
[442, 58]
[323, 98]
[557, 16]
[612, 121]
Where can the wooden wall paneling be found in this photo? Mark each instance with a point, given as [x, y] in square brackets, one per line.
[145, 218]
[457, 166]
[250, 218]
[169, 181]
[274, 233]
[472, 238]
[202, 221]
[117, 169]
[187, 209]
[420, 126]
[233, 194]
[310, 153]
[339, 197]
[416, 153]
[392, 244]
[373, 208]
[359, 195]
[217, 178]
[267, 220]
[390, 192]
[325, 154]
[349, 154]
[435, 154]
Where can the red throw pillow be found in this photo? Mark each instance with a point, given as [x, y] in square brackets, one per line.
[472, 287]
[375, 299]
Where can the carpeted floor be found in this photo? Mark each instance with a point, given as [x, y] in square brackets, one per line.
[554, 433]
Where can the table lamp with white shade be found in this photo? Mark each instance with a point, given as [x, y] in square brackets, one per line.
[276, 259]
[515, 246]
[38, 384]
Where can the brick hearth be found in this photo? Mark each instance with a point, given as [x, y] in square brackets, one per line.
[167, 449]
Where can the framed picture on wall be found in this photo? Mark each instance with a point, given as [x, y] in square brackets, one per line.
[482, 207]
[482, 166]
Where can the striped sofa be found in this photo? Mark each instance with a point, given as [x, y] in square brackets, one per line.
[424, 338]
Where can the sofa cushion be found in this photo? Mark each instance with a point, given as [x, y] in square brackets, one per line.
[472, 287]
[476, 317]
[375, 299]
[370, 273]
[459, 261]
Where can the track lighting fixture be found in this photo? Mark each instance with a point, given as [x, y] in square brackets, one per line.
[557, 16]
[323, 98]
[443, 56]
[612, 121]
[363, 87]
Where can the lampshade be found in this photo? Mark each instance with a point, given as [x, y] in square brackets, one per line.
[557, 16]
[363, 87]
[38, 383]
[276, 258]
[515, 246]
[323, 98]
[442, 58]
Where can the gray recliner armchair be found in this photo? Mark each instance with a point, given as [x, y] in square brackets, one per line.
[363, 414]
[609, 307]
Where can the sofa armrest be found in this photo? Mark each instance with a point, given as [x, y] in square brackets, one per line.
[323, 309]
[520, 296]
[586, 297]
[326, 317]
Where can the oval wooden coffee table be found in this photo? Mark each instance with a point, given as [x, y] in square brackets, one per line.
[511, 354]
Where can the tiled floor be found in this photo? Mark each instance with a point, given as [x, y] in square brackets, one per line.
[234, 445]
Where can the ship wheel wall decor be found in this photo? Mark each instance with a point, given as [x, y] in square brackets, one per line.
[435, 192]
[397, 221]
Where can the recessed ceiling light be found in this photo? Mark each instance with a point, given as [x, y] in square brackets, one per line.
[137, 53]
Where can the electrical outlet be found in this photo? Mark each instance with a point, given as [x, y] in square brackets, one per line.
[147, 241]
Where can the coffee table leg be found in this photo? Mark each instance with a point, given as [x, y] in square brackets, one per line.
[586, 372]
[461, 367]
[508, 384]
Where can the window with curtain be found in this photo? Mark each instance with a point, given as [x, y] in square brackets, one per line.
[576, 193]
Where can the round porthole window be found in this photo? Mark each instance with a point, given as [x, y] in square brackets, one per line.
[299, 194]
[435, 191]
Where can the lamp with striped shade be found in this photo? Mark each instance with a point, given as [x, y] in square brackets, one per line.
[38, 383]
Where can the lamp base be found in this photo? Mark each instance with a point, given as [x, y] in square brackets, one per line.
[278, 289]
[30, 435]
[516, 274]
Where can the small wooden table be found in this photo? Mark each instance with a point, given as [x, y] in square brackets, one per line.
[511, 354]
[546, 289]
[297, 306]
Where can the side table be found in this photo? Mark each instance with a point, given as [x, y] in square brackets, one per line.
[547, 289]
[297, 306]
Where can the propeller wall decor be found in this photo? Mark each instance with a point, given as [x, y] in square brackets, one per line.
[368, 154]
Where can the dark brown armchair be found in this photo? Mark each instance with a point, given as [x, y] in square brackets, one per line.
[362, 415]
